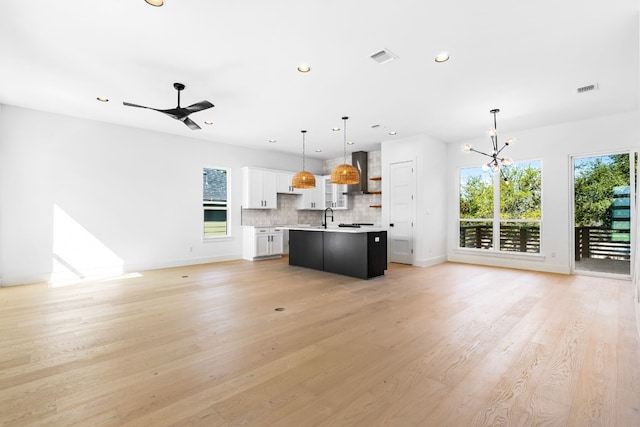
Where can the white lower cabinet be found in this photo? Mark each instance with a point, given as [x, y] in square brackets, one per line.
[261, 243]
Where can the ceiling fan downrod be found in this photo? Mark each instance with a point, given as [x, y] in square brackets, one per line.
[178, 87]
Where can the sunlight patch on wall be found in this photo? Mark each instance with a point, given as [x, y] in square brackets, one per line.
[77, 254]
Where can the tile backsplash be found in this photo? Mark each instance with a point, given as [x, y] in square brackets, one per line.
[286, 214]
[360, 210]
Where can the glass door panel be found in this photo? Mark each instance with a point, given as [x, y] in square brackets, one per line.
[602, 213]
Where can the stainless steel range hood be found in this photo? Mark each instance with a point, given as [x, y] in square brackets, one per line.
[360, 159]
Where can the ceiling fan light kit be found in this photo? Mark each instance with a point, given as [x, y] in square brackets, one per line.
[179, 113]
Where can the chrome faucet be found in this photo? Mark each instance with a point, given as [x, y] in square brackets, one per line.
[324, 224]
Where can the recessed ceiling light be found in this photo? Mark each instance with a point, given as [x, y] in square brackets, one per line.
[393, 132]
[102, 99]
[318, 150]
[442, 57]
[272, 140]
[335, 129]
[208, 122]
[350, 143]
[156, 3]
[304, 68]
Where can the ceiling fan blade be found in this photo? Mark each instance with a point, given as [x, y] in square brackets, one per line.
[174, 113]
[192, 125]
[128, 104]
[179, 113]
[199, 106]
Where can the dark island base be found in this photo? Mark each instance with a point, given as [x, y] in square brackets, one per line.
[362, 255]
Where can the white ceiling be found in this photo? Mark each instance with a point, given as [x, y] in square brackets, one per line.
[526, 58]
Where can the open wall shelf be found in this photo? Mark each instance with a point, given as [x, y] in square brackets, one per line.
[375, 178]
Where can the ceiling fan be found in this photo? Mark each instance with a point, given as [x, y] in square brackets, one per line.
[179, 113]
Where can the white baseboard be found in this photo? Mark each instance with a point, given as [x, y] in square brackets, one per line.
[521, 264]
[426, 262]
[29, 279]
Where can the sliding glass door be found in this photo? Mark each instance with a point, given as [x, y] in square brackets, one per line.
[603, 211]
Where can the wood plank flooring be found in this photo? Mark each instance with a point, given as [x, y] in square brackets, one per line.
[448, 345]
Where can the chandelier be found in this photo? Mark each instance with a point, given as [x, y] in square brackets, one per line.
[496, 161]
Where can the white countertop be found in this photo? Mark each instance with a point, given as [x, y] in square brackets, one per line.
[331, 228]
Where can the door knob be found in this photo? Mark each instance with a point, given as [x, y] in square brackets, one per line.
[390, 225]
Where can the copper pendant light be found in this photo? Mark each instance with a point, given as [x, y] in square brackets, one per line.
[345, 173]
[303, 179]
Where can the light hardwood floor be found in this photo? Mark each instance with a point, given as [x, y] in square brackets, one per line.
[448, 345]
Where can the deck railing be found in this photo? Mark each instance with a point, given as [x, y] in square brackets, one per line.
[602, 243]
[590, 242]
[513, 238]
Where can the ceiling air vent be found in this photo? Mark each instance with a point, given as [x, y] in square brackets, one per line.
[587, 88]
[383, 56]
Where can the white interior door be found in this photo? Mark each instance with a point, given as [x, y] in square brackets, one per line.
[401, 212]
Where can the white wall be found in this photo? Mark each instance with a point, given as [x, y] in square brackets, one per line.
[553, 145]
[429, 156]
[126, 198]
[134, 195]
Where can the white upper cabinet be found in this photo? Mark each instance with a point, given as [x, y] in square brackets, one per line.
[283, 183]
[335, 195]
[259, 189]
[312, 198]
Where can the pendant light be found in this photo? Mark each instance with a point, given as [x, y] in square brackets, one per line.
[303, 179]
[345, 173]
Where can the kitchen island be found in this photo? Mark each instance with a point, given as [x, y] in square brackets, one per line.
[356, 252]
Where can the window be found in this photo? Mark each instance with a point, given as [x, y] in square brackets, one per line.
[501, 209]
[214, 202]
